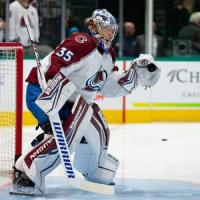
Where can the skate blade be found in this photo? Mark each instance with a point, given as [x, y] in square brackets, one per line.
[24, 191]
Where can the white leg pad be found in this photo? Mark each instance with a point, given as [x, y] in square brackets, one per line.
[84, 159]
[37, 163]
[101, 170]
[92, 159]
[44, 157]
[106, 170]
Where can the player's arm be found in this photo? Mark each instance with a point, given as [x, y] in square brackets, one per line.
[142, 72]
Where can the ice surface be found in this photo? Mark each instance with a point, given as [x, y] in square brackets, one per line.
[158, 161]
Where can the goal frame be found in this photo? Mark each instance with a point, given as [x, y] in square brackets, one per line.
[19, 94]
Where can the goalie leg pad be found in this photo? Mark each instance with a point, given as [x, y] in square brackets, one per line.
[44, 157]
[100, 169]
[91, 158]
[85, 159]
[106, 171]
[99, 120]
[31, 164]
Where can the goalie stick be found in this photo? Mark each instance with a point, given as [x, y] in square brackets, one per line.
[59, 133]
[40, 72]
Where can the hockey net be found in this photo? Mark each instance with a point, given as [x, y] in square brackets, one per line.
[11, 85]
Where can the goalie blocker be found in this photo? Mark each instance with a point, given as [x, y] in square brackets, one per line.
[87, 135]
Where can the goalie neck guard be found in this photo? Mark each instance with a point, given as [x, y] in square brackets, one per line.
[103, 27]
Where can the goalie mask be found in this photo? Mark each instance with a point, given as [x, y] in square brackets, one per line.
[103, 27]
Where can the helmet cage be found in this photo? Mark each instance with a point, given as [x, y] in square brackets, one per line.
[104, 20]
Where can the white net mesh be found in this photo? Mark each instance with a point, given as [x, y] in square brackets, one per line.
[7, 109]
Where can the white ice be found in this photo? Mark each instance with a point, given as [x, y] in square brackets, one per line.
[158, 161]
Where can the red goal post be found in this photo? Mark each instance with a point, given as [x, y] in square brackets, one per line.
[11, 104]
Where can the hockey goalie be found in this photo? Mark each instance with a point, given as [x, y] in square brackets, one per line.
[79, 68]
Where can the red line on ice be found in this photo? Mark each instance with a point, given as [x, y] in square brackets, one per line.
[4, 186]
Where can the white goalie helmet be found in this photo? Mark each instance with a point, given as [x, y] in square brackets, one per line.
[103, 27]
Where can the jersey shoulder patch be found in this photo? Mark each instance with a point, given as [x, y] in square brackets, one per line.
[80, 38]
[85, 42]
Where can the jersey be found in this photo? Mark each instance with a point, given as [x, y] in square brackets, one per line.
[87, 66]
[18, 31]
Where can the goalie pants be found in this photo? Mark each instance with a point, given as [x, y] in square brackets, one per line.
[32, 93]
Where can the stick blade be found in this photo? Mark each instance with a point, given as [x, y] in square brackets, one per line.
[94, 187]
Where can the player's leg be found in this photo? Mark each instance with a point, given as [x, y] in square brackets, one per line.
[43, 156]
[32, 93]
[20, 179]
[91, 156]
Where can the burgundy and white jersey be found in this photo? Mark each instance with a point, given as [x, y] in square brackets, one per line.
[88, 67]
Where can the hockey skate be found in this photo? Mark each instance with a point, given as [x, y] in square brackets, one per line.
[22, 184]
